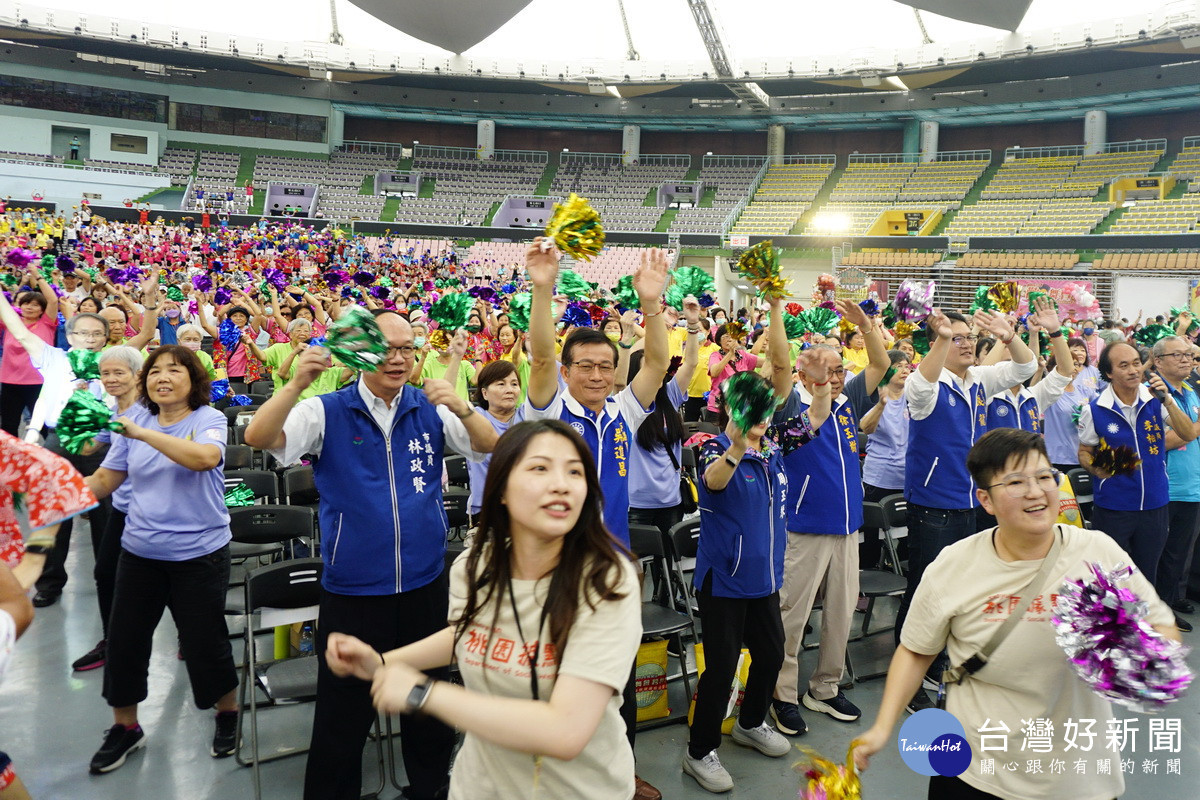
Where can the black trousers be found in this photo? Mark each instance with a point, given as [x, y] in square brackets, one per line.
[942, 787]
[1142, 534]
[1182, 528]
[194, 591]
[930, 530]
[344, 713]
[108, 555]
[54, 574]
[728, 624]
[693, 407]
[15, 400]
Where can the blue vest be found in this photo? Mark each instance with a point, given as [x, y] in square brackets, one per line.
[609, 439]
[825, 478]
[383, 527]
[743, 534]
[935, 467]
[1147, 487]
[1024, 414]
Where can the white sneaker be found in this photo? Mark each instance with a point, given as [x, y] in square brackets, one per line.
[708, 772]
[764, 739]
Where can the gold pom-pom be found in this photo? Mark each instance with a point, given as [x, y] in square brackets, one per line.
[575, 228]
[760, 265]
[439, 339]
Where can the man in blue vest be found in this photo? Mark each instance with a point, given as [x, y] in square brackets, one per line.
[379, 448]
[1173, 362]
[824, 513]
[947, 407]
[1022, 406]
[1131, 507]
[607, 422]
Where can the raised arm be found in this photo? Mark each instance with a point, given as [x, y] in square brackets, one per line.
[691, 345]
[201, 316]
[935, 360]
[878, 361]
[781, 366]
[265, 430]
[16, 328]
[150, 318]
[649, 281]
[543, 271]
[45, 288]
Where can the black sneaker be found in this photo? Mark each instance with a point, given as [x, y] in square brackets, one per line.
[787, 718]
[45, 599]
[933, 676]
[1183, 624]
[119, 742]
[920, 701]
[92, 659]
[1184, 606]
[839, 706]
[225, 737]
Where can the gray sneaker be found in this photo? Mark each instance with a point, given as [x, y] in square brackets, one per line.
[764, 739]
[708, 772]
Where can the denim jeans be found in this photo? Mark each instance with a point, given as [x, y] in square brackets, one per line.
[929, 530]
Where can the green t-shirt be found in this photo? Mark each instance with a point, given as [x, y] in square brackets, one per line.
[437, 370]
[328, 381]
[273, 357]
[207, 362]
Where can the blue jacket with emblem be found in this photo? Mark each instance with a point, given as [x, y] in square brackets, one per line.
[743, 533]
[825, 476]
[936, 462]
[1025, 414]
[382, 522]
[1146, 487]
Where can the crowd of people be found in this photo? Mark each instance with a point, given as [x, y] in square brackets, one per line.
[575, 426]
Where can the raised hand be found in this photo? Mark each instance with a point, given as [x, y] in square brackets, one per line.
[852, 312]
[650, 279]
[939, 324]
[441, 393]
[1045, 314]
[691, 311]
[996, 324]
[542, 264]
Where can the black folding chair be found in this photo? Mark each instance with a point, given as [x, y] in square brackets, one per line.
[239, 456]
[1081, 484]
[456, 471]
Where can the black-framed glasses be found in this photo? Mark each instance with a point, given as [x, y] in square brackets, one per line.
[406, 350]
[1016, 486]
[1177, 356]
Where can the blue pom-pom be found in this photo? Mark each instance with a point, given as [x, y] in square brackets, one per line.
[240, 400]
[870, 307]
[229, 334]
[577, 316]
[220, 388]
[705, 300]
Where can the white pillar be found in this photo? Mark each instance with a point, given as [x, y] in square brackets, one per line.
[335, 135]
[1095, 132]
[776, 139]
[929, 140]
[631, 144]
[719, 277]
[485, 139]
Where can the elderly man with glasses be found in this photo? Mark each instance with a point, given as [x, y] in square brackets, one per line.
[1172, 358]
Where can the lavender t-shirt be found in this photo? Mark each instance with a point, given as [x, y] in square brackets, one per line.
[653, 479]
[175, 513]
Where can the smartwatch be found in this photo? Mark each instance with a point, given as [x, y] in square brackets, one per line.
[417, 697]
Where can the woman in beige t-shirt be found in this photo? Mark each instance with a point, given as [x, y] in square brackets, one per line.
[545, 621]
[968, 591]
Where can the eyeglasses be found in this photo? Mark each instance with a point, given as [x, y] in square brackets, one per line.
[408, 351]
[1177, 356]
[959, 341]
[1017, 486]
[89, 334]
[605, 367]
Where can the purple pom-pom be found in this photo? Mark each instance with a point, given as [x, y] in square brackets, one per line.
[276, 278]
[363, 278]
[1102, 628]
[65, 264]
[203, 282]
[223, 296]
[378, 292]
[335, 278]
[21, 258]
[485, 293]
[914, 300]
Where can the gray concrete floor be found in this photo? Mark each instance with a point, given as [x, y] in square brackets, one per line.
[52, 721]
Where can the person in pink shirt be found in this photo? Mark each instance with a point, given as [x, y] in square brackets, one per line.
[732, 357]
[20, 383]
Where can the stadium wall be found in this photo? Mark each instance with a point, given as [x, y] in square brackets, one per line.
[29, 130]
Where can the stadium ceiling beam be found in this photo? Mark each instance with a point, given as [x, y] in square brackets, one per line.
[723, 64]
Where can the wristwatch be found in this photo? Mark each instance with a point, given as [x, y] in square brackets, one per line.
[417, 697]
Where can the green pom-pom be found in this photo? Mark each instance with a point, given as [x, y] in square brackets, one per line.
[819, 320]
[356, 341]
[888, 315]
[84, 363]
[794, 326]
[749, 399]
[81, 419]
[572, 284]
[239, 496]
[1149, 335]
[175, 293]
[983, 300]
[452, 311]
[385, 281]
[8, 279]
[518, 311]
[920, 341]
[625, 295]
[688, 281]
[1076, 413]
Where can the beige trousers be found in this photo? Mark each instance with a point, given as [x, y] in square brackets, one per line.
[817, 563]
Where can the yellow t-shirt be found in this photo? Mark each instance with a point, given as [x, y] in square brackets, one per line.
[700, 382]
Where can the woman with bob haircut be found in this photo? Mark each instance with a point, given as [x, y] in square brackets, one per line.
[173, 555]
[545, 620]
[971, 589]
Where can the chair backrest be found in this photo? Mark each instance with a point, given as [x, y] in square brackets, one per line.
[232, 412]
[269, 524]
[685, 536]
[1081, 484]
[258, 399]
[265, 388]
[456, 470]
[455, 501]
[264, 484]
[299, 486]
[646, 541]
[295, 583]
[873, 515]
[688, 459]
[708, 427]
[895, 510]
[238, 456]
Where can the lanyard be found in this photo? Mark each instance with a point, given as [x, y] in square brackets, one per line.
[533, 660]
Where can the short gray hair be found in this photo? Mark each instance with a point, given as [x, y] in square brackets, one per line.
[126, 355]
[190, 327]
[1160, 346]
[74, 320]
[298, 321]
